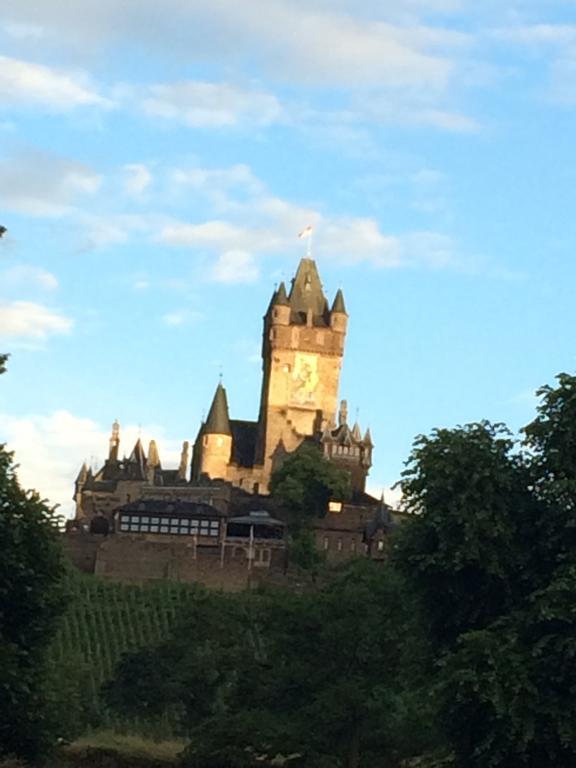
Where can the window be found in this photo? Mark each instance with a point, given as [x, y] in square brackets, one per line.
[325, 542]
[381, 545]
[352, 546]
[339, 545]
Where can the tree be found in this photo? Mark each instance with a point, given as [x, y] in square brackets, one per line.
[305, 483]
[491, 554]
[31, 568]
[320, 676]
[465, 548]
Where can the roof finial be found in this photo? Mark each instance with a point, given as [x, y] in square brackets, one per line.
[307, 235]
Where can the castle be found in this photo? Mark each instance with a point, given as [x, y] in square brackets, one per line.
[227, 478]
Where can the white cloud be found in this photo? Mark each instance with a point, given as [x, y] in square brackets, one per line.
[180, 317]
[26, 275]
[216, 182]
[137, 179]
[23, 82]
[558, 42]
[28, 320]
[204, 104]
[50, 450]
[259, 223]
[312, 42]
[23, 31]
[235, 267]
[43, 184]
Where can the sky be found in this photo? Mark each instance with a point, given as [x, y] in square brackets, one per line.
[157, 161]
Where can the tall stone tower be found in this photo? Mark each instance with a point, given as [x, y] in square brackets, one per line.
[302, 349]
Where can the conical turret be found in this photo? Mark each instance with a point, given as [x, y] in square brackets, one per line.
[136, 462]
[338, 314]
[216, 434]
[153, 455]
[114, 442]
[183, 468]
[218, 421]
[281, 295]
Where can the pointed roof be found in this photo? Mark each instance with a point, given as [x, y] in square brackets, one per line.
[137, 456]
[82, 475]
[218, 421]
[356, 433]
[272, 300]
[368, 437]
[338, 305]
[153, 455]
[281, 296]
[306, 291]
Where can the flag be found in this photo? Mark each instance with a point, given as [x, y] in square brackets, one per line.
[307, 232]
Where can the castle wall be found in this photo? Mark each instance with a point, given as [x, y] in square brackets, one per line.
[138, 559]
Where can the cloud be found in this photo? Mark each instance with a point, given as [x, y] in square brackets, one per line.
[215, 105]
[137, 178]
[180, 317]
[259, 223]
[28, 320]
[311, 43]
[235, 267]
[50, 450]
[23, 31]
[558, 41]
[26, 275]
[43, 184]
[26, 83]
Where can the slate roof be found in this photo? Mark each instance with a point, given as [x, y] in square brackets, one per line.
[306, 293]
[218, 421]
[338, 305]
[166, 507]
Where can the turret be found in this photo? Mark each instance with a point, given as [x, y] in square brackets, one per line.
[183, 468]
[136, 463]
[216, 437]
[338, 314]
[153, 463]
[114, 442]
[280, 307]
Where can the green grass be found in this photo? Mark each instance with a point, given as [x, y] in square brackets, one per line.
[135, 746]
[104, 620]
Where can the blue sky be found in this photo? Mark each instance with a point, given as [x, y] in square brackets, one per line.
[157, 161]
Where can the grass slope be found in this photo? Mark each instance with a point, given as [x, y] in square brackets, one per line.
[103, 621]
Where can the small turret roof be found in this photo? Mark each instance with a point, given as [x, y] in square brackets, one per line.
[281, 295]
[153, 455]
[83, 474]
[338, 305]
[137, 455]
[218, 421]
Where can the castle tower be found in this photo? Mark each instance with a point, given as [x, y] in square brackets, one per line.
[215, 438]
[303, 344]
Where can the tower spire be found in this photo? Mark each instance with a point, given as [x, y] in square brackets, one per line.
[218, 421]
[114, 442]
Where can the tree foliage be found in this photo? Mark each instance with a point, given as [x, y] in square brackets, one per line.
[305, 483]
[319, 676]
[491, 554]
[31, 569]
